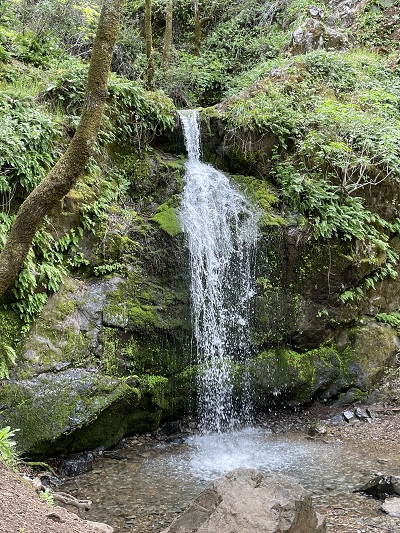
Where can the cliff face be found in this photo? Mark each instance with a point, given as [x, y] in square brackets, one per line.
[310, 133]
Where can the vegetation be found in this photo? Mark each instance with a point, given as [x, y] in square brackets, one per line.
[8, 454]
[308, 133]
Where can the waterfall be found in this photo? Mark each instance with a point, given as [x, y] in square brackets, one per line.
[222, 228]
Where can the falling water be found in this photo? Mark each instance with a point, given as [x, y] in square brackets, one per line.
[222, 228]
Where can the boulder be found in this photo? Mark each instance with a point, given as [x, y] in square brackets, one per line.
[247, 500]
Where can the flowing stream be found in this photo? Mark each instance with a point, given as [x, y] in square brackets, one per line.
[222, 228]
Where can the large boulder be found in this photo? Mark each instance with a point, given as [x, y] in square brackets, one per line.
[247, 500]
[99, 363]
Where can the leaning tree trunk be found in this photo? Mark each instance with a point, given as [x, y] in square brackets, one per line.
[63, 176]
[149, 45]
[167, 34]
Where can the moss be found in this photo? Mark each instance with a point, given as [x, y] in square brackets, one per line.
[287, 370]
[143, 317]
[10, 327]
[299, 376]
[73, 399]
[264, 196]
[168, 221]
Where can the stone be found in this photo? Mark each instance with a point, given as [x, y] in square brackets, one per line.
[76, 464]
[348, 415]
[362, 414]
[314, 34]
[318, 429]
[246, 501]
[381, 486]
[100, 527]
[392, 507]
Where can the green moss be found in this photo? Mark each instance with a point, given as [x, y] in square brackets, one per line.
[10, 327]
[264, 196]
[168, 221]
[288, 370]
[143, 317]
[298, 376]
[65, 407]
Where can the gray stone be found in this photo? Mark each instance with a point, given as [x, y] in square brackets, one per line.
[100, 526]
[392, 507]
[314, 34]
[348, 415]
[249, 501]
[362, 414]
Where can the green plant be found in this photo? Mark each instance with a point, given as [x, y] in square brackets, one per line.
[133, 115]
[7, 359]
[47, 496]
[8, 454]
[27, 138]
[390, 318]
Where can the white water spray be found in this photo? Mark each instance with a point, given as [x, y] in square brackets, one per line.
[222, 229]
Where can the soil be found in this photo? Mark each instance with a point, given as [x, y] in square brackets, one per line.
[22, 511]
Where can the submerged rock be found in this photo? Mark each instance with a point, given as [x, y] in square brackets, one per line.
[247, 500]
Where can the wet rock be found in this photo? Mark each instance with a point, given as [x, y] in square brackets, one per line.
[381, 486]
[348, 415]
[76, 464]
[247, 500]
[392, 507]
[362, 414]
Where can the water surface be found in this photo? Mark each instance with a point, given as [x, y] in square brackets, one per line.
[143, 487]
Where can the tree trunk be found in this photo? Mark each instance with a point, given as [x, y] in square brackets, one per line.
[197, 29]
[63, 176]
[199, 23]
[167, 34]
[149, 45]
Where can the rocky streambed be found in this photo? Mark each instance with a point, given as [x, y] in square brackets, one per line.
[145, 483]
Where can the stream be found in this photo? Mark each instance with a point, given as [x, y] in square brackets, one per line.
[142, 487]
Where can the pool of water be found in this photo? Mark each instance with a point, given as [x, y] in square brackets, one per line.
[142, 488]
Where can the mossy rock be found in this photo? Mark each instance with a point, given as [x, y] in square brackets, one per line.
[288, 377]
[373, 349]
[168, 221]
[54, 404]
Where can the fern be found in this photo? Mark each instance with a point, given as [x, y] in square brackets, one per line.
[7, 359]
[8, 454]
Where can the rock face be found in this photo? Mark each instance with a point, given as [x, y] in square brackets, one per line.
[313, 34]
[104, 356]
[249, 501]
